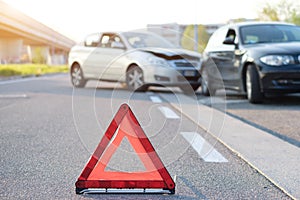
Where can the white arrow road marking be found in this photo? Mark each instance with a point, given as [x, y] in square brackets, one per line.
[203, 148]
[168, 113]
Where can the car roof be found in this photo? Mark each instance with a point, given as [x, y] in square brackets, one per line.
[250, 23]
[122, 32]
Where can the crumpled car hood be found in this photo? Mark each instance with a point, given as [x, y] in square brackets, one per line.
[172, 54]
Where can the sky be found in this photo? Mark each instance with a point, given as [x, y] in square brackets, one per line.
[76, 19]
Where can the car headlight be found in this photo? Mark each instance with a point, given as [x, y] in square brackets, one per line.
[277, 60]
[157, 61]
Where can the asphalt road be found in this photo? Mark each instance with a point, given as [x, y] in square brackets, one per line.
[277, 115]
[49, 130]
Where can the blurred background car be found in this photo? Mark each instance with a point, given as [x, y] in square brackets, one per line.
[139, 59]
[255, 58]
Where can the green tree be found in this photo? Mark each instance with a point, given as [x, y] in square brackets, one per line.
[38, 56]
[188, 38]
[285, 10]
[269, 13]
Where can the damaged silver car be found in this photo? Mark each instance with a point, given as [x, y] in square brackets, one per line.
[138, 59]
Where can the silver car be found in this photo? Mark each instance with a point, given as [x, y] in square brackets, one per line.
[139, 59]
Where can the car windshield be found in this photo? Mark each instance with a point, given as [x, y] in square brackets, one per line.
[140, 40]
[269, 34]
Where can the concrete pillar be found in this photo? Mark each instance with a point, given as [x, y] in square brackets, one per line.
[29, 53]
[11, 50]
[49, 56]
[59, 57]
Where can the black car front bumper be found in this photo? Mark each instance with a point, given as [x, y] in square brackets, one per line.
[281, 81]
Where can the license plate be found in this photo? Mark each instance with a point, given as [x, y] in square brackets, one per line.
[189, 73]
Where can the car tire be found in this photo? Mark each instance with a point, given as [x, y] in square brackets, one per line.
[253, 88]
[135, 79]
[77, 77]
[206, 87]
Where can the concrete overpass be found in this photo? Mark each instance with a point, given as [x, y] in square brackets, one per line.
[23, 39]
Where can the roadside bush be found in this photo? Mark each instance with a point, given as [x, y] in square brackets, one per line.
[30, 69]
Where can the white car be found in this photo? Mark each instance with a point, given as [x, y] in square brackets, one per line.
[139, 59]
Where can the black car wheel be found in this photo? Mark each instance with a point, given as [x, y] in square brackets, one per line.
[135, 79]
[206, 86]
[77, 78]
[254, 93]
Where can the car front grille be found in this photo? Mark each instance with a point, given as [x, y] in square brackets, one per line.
[286, 82]
[189, 79]
[184, 64]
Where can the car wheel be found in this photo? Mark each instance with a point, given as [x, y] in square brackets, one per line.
[77, 78]
[135, 79]
[254, 93]
[206, 86]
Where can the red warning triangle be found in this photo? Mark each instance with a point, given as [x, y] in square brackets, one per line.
[125, 125]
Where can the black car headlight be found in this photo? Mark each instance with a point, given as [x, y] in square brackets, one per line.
[277, 60]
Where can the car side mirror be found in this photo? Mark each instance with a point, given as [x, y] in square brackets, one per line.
[118, 45]
[229, 40]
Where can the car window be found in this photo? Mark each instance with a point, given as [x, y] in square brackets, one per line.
[232, 35]
[92, 40]
[292, 33]
[269, 34]
[108, 39]
[139, 40]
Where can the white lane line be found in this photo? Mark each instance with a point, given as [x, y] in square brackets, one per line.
[155, 99]
[12, 96]
[16, 81]
[168, 113]
[236, 101]
[203, 148]
[13, 81]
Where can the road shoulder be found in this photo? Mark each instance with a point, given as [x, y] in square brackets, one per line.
[274, 158]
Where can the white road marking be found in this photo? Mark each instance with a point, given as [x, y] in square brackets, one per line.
[16, 81]
[203, 148]
[217, 100]
[155, 99]
[168, 113]
[236, 101]
[33, 78]
[12, 96]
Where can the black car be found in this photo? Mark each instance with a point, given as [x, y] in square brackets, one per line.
[255, 58]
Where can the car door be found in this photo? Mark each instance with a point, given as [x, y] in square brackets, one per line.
[88, 56]
[229, 60]
[222, 57]
[108, 54]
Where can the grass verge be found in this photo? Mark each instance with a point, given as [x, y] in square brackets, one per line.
[30, 69]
